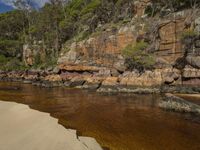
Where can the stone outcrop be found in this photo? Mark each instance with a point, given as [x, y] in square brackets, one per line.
[33, 53]
[170, 47]
[140, 7]
[105, 48]
[177, 104]
[102, 50]
[79, 68]
[194, 61]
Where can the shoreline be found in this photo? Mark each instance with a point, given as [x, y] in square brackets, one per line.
[107, 84]
[24, 128]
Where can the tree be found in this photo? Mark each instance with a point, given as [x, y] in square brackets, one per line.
[25, 7]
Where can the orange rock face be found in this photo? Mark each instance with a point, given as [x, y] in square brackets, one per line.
[101, 50]
[170, 45]
[104, 49]
[110, 81]
[78, 68]
[53, 78]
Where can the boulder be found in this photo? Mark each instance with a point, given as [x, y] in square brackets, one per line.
[175, 103]
[93, 83]
[77, 81]
[194, 61]
[53, 78]
[191, 73]
[114, 73]
[197, 24]
[197, 43]
[56, 70]
[120, 64]
[147, 79]
[110, 81]
[104, 73]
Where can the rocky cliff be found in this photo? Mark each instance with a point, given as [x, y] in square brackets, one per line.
[173, 40]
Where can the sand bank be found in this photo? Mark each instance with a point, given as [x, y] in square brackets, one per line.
[22, 128]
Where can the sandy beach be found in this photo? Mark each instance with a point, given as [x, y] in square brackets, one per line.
[22, 128]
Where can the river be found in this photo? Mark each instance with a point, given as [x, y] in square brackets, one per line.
[116, 121]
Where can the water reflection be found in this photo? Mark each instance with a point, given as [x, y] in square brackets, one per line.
[119, 122]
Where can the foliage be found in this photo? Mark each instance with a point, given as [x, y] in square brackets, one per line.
[3, 60]
[11, 30]
[9, 64]
[158, 6]
[188, 34]
[137, 57]
[49, 62]
[91, 6]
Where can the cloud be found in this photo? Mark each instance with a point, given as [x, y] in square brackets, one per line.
[39, 3]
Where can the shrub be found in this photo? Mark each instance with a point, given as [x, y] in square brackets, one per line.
[91, 6]
[137, 58]
[188, 34]
[12, 47]
[12, 64]
[3, 59]
[189, 39]
[50, 61]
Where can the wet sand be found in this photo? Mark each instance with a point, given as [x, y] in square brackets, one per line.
[22, 128]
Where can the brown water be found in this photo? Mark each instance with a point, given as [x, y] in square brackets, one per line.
[118, 122]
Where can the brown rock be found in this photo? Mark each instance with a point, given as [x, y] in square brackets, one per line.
[78, 68]
[148, 78]
[77, 81]
[194, 61]
[93, 82]
[110, 81]
[191, 73]
[53, 78]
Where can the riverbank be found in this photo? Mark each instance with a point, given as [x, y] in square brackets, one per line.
[23, 128]
[101, 81]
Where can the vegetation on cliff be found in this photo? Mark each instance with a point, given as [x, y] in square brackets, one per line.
[137, 57]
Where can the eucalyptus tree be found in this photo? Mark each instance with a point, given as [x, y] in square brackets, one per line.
[25, 7]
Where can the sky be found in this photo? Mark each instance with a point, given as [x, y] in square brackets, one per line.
[4, 7]
[7, 5]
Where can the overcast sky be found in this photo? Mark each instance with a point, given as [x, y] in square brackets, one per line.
[39, 3]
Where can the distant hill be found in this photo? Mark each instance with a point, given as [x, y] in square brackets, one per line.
[5, 8]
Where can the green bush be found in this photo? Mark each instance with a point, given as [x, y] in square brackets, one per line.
[91, 6]
[48, 62]
[3, 59]
[11, 64]
[11, 47]
[137, 58]
[188, 34]
[135, 49]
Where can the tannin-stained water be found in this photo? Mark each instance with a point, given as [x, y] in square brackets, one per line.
[117, 121]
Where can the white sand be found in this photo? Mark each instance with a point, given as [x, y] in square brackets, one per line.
[22, 128]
